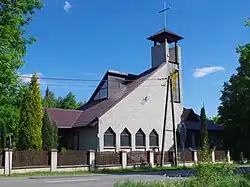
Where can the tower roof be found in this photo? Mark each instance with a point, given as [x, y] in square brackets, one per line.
[165, 34]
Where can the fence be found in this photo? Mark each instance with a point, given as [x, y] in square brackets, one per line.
[71, 158]
[220, 155]
[27, 161]
[136, 158]
[30, 158]
[107, 158]
[168, 157]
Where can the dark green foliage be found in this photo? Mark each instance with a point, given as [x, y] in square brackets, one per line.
[14, 17]
[234, 109]
[203, 130]
[67, 102]
[49, 99]
[215, 120]
[55, 135]
[47, 132]
[3, 136]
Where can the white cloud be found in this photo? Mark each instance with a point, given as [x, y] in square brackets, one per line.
[67, 6]
[202, 72]
[27, 77]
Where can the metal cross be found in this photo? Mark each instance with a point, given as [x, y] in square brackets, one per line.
[164, 10]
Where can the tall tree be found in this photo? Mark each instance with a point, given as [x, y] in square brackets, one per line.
[38, 110]
[14, 16]
[47, 132]
[68, 102]
[49, 99]
[203, 130]
[55, 134]
[30, 129]
[234, 108]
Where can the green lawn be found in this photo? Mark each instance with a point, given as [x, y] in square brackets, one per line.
[104, 171]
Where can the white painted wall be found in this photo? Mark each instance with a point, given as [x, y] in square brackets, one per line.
[132, 113]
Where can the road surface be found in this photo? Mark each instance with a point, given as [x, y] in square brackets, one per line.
[95, 180]
[77, 181]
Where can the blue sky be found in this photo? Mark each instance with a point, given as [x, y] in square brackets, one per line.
[83, 39]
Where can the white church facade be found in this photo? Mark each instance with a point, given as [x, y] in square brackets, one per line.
[126, 111]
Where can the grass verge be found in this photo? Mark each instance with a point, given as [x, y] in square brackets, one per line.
[103, 171]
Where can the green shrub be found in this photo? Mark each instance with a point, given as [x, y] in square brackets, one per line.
[207, 175]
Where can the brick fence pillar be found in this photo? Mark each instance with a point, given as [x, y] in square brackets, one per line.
[151, 158]
[91, 160]
[124, 159]
[228, 156]
[213, 156]
[53, 160]
[195, 158]
[8, 161]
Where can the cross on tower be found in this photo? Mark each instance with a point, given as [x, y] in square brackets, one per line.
[164, 10]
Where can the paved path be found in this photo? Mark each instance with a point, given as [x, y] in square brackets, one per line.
[77, 181]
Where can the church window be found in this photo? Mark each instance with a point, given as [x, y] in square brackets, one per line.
[109, 138]
[153, 139]
[125, 138]
[140, 139]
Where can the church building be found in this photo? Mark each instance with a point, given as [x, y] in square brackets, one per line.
[127, 111]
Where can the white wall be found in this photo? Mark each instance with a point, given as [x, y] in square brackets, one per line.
[133, 114]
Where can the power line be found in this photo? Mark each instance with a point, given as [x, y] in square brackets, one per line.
[86, 80]
[90, 86]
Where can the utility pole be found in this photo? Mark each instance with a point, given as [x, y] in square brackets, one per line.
[169, 84]
[164, 125]
[173, 122]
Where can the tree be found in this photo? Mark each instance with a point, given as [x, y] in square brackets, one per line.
[47, 132]
[38, 110]
[234, 108]
[49, 99]
[68, 102]
[14, 16]
[203, 130]
[215, 119]
[55, 134]
[30, 129]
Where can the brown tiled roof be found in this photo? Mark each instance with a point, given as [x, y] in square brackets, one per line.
[64, 118]
[165, 34]
[92, 113]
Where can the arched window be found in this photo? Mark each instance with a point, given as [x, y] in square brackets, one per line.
[109, 138]
[153, 139]
[125, 138]
[140, 139]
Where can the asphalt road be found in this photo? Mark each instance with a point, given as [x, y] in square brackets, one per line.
[78, 181]
[96, 180]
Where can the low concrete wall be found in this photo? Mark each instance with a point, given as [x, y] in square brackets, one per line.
[30, 170]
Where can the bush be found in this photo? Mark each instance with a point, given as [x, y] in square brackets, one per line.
[207, 175]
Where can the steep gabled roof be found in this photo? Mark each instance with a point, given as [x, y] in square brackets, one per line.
[91, 114]
[192, 121]
[64, 118]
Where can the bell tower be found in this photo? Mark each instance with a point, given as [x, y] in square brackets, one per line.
[160, 52]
